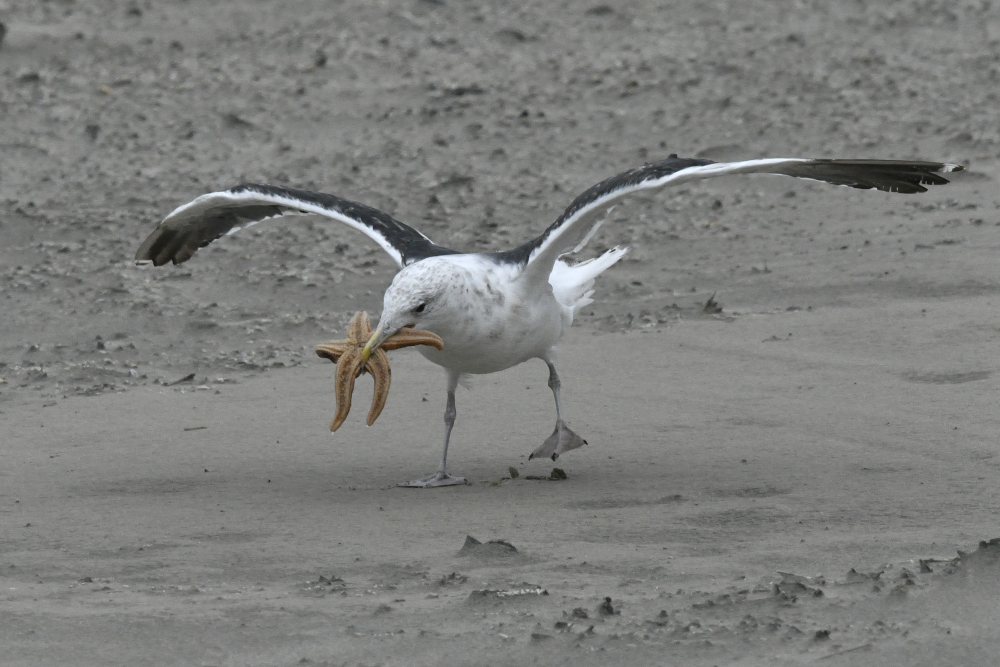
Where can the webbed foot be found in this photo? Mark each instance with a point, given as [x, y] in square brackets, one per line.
[563, 439]
[437, 479]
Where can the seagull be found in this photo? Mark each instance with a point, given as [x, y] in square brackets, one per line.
[495, 310]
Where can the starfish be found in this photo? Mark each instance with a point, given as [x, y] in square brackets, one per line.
[352, 362]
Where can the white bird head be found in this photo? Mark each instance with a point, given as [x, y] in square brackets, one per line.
[417, 298]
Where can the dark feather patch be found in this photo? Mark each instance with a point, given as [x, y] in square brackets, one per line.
[888, 175]
[176, 240]
[885, 175]
[647, 172]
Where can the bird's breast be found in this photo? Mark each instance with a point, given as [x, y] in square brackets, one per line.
[490, 328]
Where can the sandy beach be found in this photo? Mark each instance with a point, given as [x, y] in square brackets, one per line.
[808, 474]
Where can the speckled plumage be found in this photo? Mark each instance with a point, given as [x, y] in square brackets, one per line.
[487, 319]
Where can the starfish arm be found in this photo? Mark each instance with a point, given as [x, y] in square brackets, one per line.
[333, 349]
[359, 329]
[378, 366]
[348, 369]
[407, 337]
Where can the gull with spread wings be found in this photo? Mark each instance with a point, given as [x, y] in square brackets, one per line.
[495, 310]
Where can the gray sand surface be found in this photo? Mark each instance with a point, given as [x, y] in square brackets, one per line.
[787, 481]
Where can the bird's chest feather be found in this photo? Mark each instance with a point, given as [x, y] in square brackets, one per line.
[490, 327]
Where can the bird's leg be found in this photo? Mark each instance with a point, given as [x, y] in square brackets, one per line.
[562, 438]
[555, 384]
[441, 477]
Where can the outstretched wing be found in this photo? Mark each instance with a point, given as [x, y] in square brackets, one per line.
[196, 224]
[580, 220]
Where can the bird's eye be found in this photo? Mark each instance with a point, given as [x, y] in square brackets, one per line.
[420, 308]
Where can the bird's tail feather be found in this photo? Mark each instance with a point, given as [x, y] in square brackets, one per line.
[573, 285]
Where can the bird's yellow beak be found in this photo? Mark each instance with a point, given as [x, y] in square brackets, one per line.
[372, 344]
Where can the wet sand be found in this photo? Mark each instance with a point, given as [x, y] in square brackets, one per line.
[788, 480]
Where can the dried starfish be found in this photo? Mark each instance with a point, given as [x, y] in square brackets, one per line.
[347, 354]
